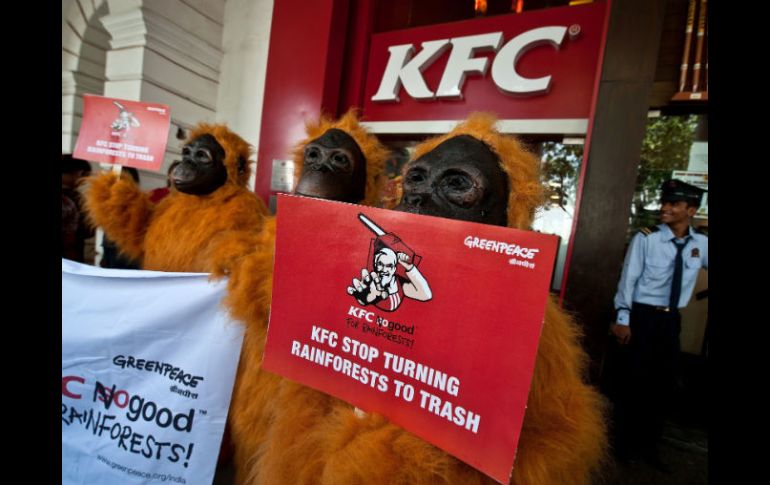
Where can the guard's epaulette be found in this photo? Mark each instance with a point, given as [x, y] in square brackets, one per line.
[702, 230]
[649, 230]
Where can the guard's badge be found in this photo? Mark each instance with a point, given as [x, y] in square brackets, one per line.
[695, 253]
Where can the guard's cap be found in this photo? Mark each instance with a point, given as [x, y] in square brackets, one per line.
[675, 190]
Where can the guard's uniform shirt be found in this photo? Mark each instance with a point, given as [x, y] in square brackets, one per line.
[649, 267]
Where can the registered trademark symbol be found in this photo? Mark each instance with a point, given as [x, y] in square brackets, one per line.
[574, 30]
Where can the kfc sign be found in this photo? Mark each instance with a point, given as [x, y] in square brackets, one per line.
[461, 61]
[536, 65]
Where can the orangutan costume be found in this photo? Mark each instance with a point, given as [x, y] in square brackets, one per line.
[299, 436]
[204, 230]
[250, 283]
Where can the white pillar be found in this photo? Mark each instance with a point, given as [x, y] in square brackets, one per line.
[245, 43]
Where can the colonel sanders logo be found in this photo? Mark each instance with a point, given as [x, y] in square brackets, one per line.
[125, 120]
[392, 273]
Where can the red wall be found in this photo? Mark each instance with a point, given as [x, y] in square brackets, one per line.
[360, 23]
[307, 42]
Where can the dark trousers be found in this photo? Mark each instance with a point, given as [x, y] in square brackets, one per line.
[641, 379]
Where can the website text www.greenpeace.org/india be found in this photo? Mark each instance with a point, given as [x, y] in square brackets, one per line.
[160, 477]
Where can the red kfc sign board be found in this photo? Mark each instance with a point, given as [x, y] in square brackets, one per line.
[536, 65]
[433, 323]
[123, 132]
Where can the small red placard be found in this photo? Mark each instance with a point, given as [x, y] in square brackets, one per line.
[123, 132]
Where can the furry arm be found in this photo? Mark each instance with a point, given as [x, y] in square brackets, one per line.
[248, 300]
[192, 233]
[121, 209]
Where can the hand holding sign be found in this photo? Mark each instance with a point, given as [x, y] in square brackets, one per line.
[368, 289]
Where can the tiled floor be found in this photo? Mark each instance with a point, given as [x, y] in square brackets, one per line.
[684, 450]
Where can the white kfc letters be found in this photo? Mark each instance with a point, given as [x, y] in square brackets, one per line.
[402, 69]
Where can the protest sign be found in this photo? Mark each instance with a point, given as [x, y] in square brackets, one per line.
[148, 365]
[123, 132]
[433, 323]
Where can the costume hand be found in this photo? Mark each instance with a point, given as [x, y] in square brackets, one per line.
[405, 261]
[225, 251]
[621, 332]
[367, 290]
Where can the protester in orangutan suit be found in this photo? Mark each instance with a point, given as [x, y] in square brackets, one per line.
[339, 160]
[301, 436]
[208, 221]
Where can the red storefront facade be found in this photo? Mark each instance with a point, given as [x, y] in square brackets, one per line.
[598, 58]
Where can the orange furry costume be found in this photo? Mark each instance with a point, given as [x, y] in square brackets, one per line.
[183, 232]
[302, 436]
[249, 294]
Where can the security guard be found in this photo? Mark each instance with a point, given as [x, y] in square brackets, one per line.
[658, 277]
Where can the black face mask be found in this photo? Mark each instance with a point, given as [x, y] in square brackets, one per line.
[459, 179]
[202, 169]
[334, 168]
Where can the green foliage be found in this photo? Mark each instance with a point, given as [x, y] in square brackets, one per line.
[560, 172]
[665, 148]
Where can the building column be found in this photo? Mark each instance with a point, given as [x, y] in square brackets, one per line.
[84, 46]
[628, 72]
[245, 44]
[166, 52]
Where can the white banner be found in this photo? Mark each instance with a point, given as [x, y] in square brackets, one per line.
[148, 365]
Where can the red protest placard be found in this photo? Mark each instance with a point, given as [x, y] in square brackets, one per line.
[123, 132]
[431, 322]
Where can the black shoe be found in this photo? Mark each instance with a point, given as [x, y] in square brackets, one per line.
[655, 462]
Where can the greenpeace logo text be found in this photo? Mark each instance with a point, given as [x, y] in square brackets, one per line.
[511, 249]
[172, 372]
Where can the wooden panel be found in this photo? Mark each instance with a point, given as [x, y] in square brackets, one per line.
[608, 186]
[627, 63]
[669, 54]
